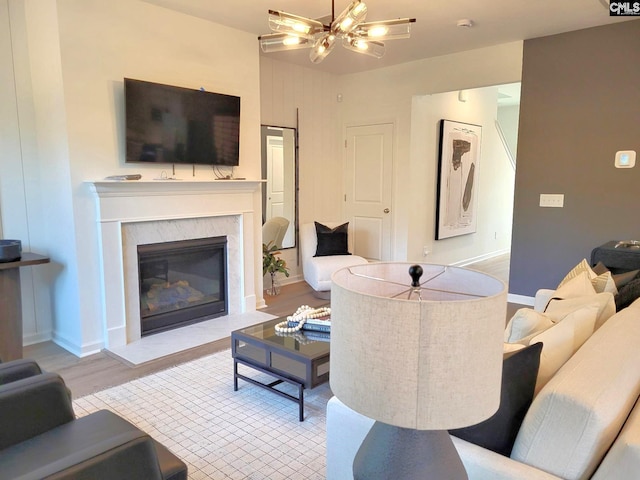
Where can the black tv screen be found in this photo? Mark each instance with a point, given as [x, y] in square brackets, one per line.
[168, 124]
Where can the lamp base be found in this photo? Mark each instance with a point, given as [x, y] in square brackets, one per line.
[389, 452]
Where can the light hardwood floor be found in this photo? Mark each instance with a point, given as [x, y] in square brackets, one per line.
[96, 372]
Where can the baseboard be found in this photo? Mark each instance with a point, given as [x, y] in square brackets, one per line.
[78, 351]
[290, 279]
[36, 338]
[480, 258]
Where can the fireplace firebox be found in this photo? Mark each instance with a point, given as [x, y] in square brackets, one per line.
[182, 282]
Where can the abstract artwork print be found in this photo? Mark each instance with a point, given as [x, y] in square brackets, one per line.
[457, 178]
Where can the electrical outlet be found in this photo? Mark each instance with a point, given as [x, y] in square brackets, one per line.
[425, 251]
[552, 200]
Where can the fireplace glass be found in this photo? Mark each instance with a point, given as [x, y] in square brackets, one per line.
[181, 282]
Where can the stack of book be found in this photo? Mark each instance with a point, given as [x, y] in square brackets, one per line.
[317, 336]
[313, 325]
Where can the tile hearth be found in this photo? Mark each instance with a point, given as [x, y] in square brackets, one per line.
[177, 340]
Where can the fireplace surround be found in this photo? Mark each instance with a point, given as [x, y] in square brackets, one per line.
[132, 213]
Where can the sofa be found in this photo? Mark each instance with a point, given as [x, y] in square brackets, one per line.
[582, 423]
[41, 438]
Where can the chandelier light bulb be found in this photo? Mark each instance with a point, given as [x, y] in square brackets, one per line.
[346, 23]
[349, 18]
[291, 40]
[378, 31]
[299, 27]
[283, 22]
[360, 44]
[322, 48]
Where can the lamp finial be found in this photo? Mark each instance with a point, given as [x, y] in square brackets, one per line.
[415, 272]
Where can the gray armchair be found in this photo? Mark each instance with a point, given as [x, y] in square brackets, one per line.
[41, 438]
[17, 370]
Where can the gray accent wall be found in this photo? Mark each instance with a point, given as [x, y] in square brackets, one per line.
[580, 104]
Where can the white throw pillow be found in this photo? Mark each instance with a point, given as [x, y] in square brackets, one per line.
[605, 303]
[582, 267]
[601, 283]
[604, 283]
[577, 286]
[562, 340]
[525, 322]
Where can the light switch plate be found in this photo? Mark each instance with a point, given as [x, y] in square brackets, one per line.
[625, 159]
[552, 200]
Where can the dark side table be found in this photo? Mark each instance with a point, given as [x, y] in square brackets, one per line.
[11, 301]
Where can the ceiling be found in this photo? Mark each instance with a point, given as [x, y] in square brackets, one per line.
[435, 32]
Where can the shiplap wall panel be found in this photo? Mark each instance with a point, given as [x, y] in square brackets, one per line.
[284, 88]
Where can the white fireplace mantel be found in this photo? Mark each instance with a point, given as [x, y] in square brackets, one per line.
[174, 207]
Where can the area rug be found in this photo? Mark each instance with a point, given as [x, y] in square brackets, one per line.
[221, 434]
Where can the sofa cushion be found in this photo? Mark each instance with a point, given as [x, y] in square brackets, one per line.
[497, 433]
[525, 322]
[562, 340]
[332, 241]
[575, 418]
[622, 462]
[557, 309]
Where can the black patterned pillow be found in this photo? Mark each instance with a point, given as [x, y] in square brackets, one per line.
[332, 241]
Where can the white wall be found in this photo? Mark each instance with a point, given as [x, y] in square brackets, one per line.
[509, 116]
[78, 52]
[494, 187]
[284, 88]
[21, 197]
[386, 95]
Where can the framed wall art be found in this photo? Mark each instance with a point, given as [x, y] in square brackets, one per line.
[458, 170]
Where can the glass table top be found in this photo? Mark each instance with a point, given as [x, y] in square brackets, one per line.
[306, 342]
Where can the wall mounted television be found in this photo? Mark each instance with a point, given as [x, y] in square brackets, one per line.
[169, 124]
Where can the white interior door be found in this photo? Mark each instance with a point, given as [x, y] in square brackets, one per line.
[275, 174]
[368, 189]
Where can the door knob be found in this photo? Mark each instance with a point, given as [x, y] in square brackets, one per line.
[386, 210]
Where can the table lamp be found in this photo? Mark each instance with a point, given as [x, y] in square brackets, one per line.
[418, 348]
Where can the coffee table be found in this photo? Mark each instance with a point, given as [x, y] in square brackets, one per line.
[290, 358]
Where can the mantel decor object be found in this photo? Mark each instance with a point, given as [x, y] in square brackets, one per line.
[418, 348]
[10, 250]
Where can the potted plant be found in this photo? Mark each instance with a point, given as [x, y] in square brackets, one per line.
[273, 264]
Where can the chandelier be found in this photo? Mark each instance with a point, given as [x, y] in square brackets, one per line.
[292, 32]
